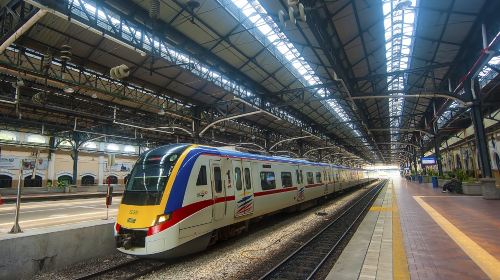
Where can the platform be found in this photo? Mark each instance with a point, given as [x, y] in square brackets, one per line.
[415, 231]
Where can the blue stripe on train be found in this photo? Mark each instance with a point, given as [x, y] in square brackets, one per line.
[178, 190]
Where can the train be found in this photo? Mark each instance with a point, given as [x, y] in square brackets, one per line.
[181, 198]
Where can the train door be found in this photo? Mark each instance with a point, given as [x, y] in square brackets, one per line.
[300, 183]
[218, 190]
[325, 180]
[244, 188]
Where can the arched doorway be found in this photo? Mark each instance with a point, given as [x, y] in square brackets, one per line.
[65, 180]
[112, 179]
[5, 181]
[88, 180]
[33, 183]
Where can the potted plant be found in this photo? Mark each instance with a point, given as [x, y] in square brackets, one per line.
[469, 185]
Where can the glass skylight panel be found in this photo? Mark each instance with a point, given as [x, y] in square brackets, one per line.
[487, 74]
[254, 17]
[399, 25]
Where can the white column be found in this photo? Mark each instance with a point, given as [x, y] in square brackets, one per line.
[51, 169]
[101, 147]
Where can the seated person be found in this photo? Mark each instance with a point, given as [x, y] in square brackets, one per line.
[454, 185]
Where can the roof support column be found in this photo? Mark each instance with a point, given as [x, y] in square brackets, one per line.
[301, 148]
[472, 89]
[77, 140]
[414, 154]
[437, 152]
[196, 112]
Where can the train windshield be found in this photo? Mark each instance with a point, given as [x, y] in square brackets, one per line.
[149, 178]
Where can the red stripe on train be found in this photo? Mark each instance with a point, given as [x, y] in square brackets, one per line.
[186, 211]
[313, 185]
[274, 191]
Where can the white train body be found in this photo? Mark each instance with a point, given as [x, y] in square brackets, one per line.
[198, 193]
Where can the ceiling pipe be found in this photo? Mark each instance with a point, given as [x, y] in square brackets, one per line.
[25, 27]
[434, 95]
[289, 139]
[139, 127]
[228, 118]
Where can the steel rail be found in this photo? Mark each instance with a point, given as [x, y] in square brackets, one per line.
[129, 273]
[274, 272]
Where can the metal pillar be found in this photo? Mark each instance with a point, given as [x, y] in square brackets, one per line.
[437, 152]
[196, 111]
[415, 160]
[301, 148]
[267, 139]
[472, 89]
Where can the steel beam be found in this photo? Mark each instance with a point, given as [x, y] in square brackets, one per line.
[471, 88]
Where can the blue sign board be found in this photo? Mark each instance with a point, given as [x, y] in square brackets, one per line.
[428, 160]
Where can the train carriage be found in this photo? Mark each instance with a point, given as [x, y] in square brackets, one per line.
[182, 197]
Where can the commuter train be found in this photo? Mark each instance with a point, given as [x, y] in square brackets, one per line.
[181, 198]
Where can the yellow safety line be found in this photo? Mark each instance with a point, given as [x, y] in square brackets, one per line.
[380, 208]
[488, 263]
[399, 259]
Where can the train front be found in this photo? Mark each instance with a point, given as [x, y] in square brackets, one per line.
[142, 226]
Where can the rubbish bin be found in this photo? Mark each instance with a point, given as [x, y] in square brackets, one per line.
[435, 182]
[420, 179]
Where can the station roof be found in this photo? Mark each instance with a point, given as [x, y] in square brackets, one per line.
[334, 83]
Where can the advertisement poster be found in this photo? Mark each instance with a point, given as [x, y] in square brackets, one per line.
[121, 167]
[9, 163]
[29, 164]
[494, 152]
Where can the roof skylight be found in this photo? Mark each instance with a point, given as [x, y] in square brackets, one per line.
[261, 25]
[399, 24]
[136, 37]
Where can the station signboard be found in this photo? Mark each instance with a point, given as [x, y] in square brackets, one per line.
[428, 160]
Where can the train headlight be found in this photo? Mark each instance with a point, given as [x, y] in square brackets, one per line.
[162, 218]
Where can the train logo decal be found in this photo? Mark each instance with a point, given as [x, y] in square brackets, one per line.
[300, 194]
[244, 205]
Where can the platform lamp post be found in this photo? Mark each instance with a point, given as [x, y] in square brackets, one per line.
[16, 228]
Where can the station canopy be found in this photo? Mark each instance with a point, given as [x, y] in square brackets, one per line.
[351, 82]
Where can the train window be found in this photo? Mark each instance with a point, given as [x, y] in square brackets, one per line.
[217, 179]
[237, 178]
[202, 176]
[267, 180]
[310, 178]
[318, 177]
[286, 179]
[248, 183]
[297, 176]
[301, 177]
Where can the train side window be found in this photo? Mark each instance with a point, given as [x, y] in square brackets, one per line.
[217, 179]
[202, 176]
[267, 180]
[318, 177]
[248, 182]
[301, 177]
[237, 178]
[297, 175]
[286, 179]
[310, 178]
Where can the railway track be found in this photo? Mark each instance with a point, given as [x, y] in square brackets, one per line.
[307, 260]
[127, 270]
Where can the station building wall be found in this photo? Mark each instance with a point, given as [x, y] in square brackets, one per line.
[459, 151]
[92, 166]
